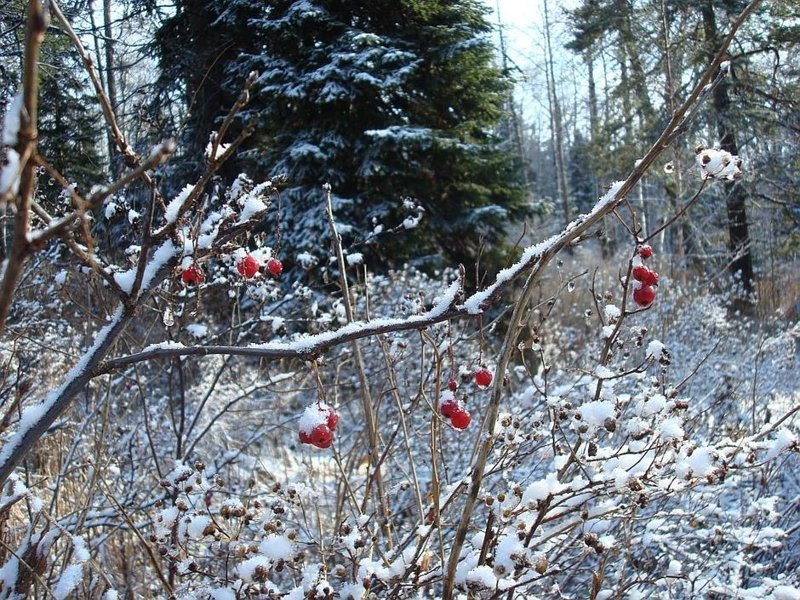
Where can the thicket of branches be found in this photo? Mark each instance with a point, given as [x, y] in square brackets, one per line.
[160, 379]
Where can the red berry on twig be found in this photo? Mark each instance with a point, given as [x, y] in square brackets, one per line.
[460, 418]
[644, 296]
[448, 407]
[192, 275]
[640, 272]
[275, 267]
[645, 251]
[645, 275]
[321, 436]
[483, 377]
[247, 267]
[651, 279]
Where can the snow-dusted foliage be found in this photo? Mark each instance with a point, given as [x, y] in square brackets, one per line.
[361, 97]
[658, 457]
[181, 418]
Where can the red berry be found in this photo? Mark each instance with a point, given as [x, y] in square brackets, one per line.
[192, 275]
[247, 267]
[452, 385]
[645, 251]
[644, 295]
[333, 419]
[275, 267]
[460, 418]
[645, 275]
[321, 436]
[640, 273]
[483, 377]
[305, 437]
[448, 407]
[651, 279]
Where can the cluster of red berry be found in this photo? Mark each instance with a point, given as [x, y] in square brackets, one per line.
[452, 409]
[643, 288]
[247, 266]
[317, 425]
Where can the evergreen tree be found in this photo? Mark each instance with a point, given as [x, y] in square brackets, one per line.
[387, 101]
[70, 123]
[582, 181]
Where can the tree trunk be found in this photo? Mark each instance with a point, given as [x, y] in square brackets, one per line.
[556, 123]
[741, 265]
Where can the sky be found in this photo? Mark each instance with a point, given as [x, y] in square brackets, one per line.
[523, 25]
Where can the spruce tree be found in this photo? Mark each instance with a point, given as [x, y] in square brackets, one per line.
[70, 123]
[391, 102]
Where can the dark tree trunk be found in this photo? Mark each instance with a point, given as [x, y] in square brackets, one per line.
[741, 265]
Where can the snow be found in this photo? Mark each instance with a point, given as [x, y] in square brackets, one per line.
[32, 415]
[718, 164]
[225, 593]
[595, 412]
[482, 576]
[12, 121]
[783, 439]
[197, 330]
[159, 258]
[652, 406]
[411, 222]
[671, 429]
[539, 490]
[355, 258]
[675, 568]
[168, 345]
[248, 568]
[612, 312]
[193, 527]
[313, 415]
[126, 279]
[785, 592]
[8, 573]
[603, 372]
[176, 204]
[306, 260]
[508, 548]
[277, 547]
[655, 349]
[10, 173]
[165, 520]
[252, 203]
[352, 591]
[69, 580]
[308, 343]
[81, 551]
[402, 134]
[699, 464]
[221, 148]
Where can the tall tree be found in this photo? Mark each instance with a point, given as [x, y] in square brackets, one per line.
[741, 265]
[387, 101]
